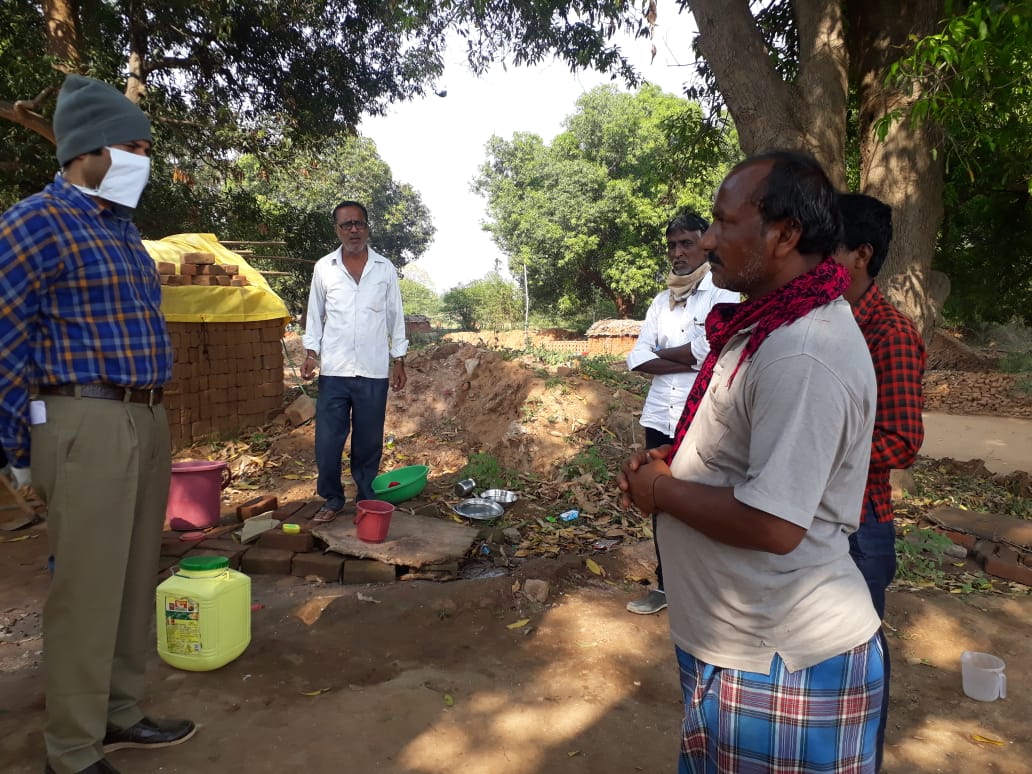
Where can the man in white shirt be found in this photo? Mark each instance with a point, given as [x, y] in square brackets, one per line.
[355, 330]
[671, 346]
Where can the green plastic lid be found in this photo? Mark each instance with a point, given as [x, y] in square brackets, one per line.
[203, 563]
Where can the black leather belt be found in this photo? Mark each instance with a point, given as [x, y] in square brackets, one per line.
[105, 392]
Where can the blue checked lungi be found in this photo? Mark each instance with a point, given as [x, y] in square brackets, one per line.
[820, 719]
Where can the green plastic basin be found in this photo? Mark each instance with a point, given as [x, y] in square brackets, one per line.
[410, 482]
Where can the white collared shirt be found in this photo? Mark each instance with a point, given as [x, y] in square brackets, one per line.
[664, 328]
[355, 327]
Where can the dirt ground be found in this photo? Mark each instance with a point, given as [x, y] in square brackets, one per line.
[418, 677]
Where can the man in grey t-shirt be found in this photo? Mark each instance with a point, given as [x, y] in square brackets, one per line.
[773, 626]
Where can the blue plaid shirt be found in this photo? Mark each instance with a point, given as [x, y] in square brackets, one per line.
[80, 303]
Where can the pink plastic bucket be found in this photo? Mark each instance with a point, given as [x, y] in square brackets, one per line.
[194, 494]
[373, 520]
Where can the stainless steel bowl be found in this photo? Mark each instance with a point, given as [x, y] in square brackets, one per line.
[478, 509]
[504, 497]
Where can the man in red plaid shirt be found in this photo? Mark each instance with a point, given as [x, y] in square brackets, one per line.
[899, 361]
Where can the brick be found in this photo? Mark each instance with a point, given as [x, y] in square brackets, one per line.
[175, 280]
[368, 571]
[231, 269]
[301, 410]
[224, 281]
[173, 546]
[287, 510]
[239, 282]
[231, 549]
[267, 561]
[199, 259]
[1005, 563]
[325, 566]
[959, 538]
[212, 270]
[204, 280]
[301, 543]
[304, 514]
[257, 506]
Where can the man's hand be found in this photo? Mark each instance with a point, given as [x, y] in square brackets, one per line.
[308, 367]
[398, 377]
[637, 476]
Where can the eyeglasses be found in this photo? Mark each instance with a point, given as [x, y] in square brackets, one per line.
[347, 225]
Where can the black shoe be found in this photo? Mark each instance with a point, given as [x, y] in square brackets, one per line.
[149, 734]
[100, 767]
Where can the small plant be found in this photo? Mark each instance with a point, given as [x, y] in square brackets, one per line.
[1016, 363]
[919, 555]
[488, 472]
[588, 461]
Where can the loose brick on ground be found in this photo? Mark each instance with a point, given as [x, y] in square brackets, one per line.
[267, 561]
[326, 566]
[257, 506]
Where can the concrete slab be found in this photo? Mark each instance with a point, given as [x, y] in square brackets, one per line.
[989, 526]
[413, 541]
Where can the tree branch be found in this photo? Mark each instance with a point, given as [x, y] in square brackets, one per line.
[23, 112]
[169, 63]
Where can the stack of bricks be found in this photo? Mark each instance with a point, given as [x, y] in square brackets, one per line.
[276, 552]
[200, 269]
[226, 378]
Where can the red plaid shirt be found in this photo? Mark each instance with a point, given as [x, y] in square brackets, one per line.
[899, 362]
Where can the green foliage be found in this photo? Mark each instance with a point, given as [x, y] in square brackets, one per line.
[974, 80]
[488, 472]
[490, 302]
[586, 214]
[1016, 362]
[588, 461]
[417, 298]
[919, 556]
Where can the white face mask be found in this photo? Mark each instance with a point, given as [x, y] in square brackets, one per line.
[124, 181]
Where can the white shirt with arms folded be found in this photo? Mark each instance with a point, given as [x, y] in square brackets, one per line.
[355, 327]
[664, 328]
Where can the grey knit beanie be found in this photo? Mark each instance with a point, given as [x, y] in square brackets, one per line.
[91, 115]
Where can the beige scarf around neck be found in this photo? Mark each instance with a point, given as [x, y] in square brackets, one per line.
[683, 285]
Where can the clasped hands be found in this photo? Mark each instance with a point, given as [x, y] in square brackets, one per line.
[637, 478]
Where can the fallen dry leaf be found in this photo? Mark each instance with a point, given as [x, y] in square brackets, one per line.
[518, 624]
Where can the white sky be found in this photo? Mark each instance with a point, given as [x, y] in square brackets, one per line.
[437, 144]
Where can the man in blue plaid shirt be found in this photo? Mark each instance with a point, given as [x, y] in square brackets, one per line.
[84, 354]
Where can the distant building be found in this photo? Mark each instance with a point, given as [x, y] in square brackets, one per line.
[613, 337]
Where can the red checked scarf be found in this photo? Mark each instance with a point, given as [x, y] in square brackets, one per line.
[822, 284]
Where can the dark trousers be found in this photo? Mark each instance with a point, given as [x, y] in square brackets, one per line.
[354, 404]
[873, 548]
[653, 439]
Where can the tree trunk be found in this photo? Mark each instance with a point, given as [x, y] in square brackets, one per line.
[769, 113]
[905, 169]
[62, 34]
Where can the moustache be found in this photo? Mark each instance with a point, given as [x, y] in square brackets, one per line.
[714, 259]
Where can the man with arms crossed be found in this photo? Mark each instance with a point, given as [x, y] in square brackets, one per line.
[355, 331]
[775, 633]
[671, 346]
[899, 360]
[81, 325]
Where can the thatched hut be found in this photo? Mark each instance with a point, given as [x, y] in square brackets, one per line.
[612, 337]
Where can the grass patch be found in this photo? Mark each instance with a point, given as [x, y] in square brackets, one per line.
[488, 472]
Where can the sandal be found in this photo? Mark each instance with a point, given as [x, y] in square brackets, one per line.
[325, 515]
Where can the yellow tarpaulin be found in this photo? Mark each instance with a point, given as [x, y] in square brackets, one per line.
[214, 303]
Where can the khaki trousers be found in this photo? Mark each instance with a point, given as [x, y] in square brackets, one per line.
[103, 467]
